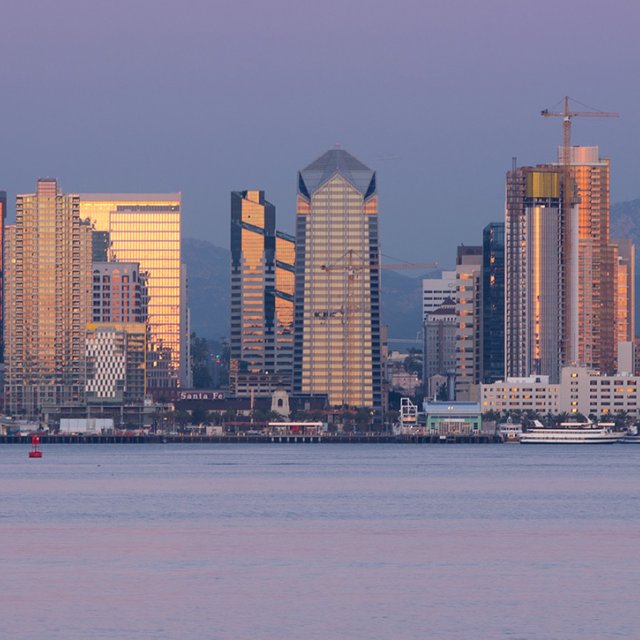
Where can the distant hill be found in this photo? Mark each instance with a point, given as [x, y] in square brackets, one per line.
[209, 274]
[209, 269]
[625, 223]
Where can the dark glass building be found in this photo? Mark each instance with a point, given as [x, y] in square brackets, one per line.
[492, 304]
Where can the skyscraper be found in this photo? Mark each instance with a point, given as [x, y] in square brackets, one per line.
[48, 302]
[253, 221]
[492, 304]
[337, 297]
[145, 228]
[541, 280]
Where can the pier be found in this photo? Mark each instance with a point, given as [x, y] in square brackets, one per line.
[293, 438]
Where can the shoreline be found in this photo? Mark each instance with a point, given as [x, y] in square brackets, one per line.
[254, 439]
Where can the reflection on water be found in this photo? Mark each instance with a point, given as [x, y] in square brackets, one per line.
[320, 541]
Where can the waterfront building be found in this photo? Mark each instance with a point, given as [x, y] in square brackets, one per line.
[541, 272]
[453, 418]
[145, 228]
[119, 293]
[47, 303]
[467, 305]
[580, 390]
[337, 299]
[527, 393]
[492, 304]
[3, 219]
[436, 290]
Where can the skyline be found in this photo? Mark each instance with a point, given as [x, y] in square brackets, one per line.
[437, 100]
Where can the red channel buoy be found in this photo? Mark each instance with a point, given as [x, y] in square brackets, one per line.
[35, 451]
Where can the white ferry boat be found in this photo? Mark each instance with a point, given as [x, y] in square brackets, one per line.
[573, 433]
[510, 431]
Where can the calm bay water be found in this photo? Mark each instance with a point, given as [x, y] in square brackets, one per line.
[320, 541]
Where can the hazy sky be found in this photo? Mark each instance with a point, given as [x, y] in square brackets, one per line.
[209, 96]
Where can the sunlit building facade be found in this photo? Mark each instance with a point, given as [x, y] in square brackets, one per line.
[337, 297]
[47, 303]
[541, 277]
[146, 229]
[284, 302]
[596, 261]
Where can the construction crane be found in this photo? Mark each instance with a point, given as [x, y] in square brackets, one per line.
[346, 312]
[397, 266]
[567, 115]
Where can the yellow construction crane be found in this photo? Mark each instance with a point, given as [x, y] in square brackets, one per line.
[567, 115]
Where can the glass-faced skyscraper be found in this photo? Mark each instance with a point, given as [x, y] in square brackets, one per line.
[262, 283]
[492, 303]
[253, 221]
[337, 297]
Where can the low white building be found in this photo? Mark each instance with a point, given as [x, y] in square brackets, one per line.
[581, 390]
[533, 393]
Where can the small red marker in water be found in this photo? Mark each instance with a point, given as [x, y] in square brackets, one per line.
[35, 451]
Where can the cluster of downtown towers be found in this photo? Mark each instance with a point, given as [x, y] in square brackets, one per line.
[548, 288]
[95, 294]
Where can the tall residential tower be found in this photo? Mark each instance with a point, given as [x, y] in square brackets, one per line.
[48, 302]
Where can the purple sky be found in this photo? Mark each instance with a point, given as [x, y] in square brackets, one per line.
[205, 97]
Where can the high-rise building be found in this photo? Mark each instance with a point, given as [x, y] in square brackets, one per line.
[145, 228]
[541, 278]
[492, 304]
[467, 305]
[337, 297]
[3, 218]
[48, 302]
[596, 261]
